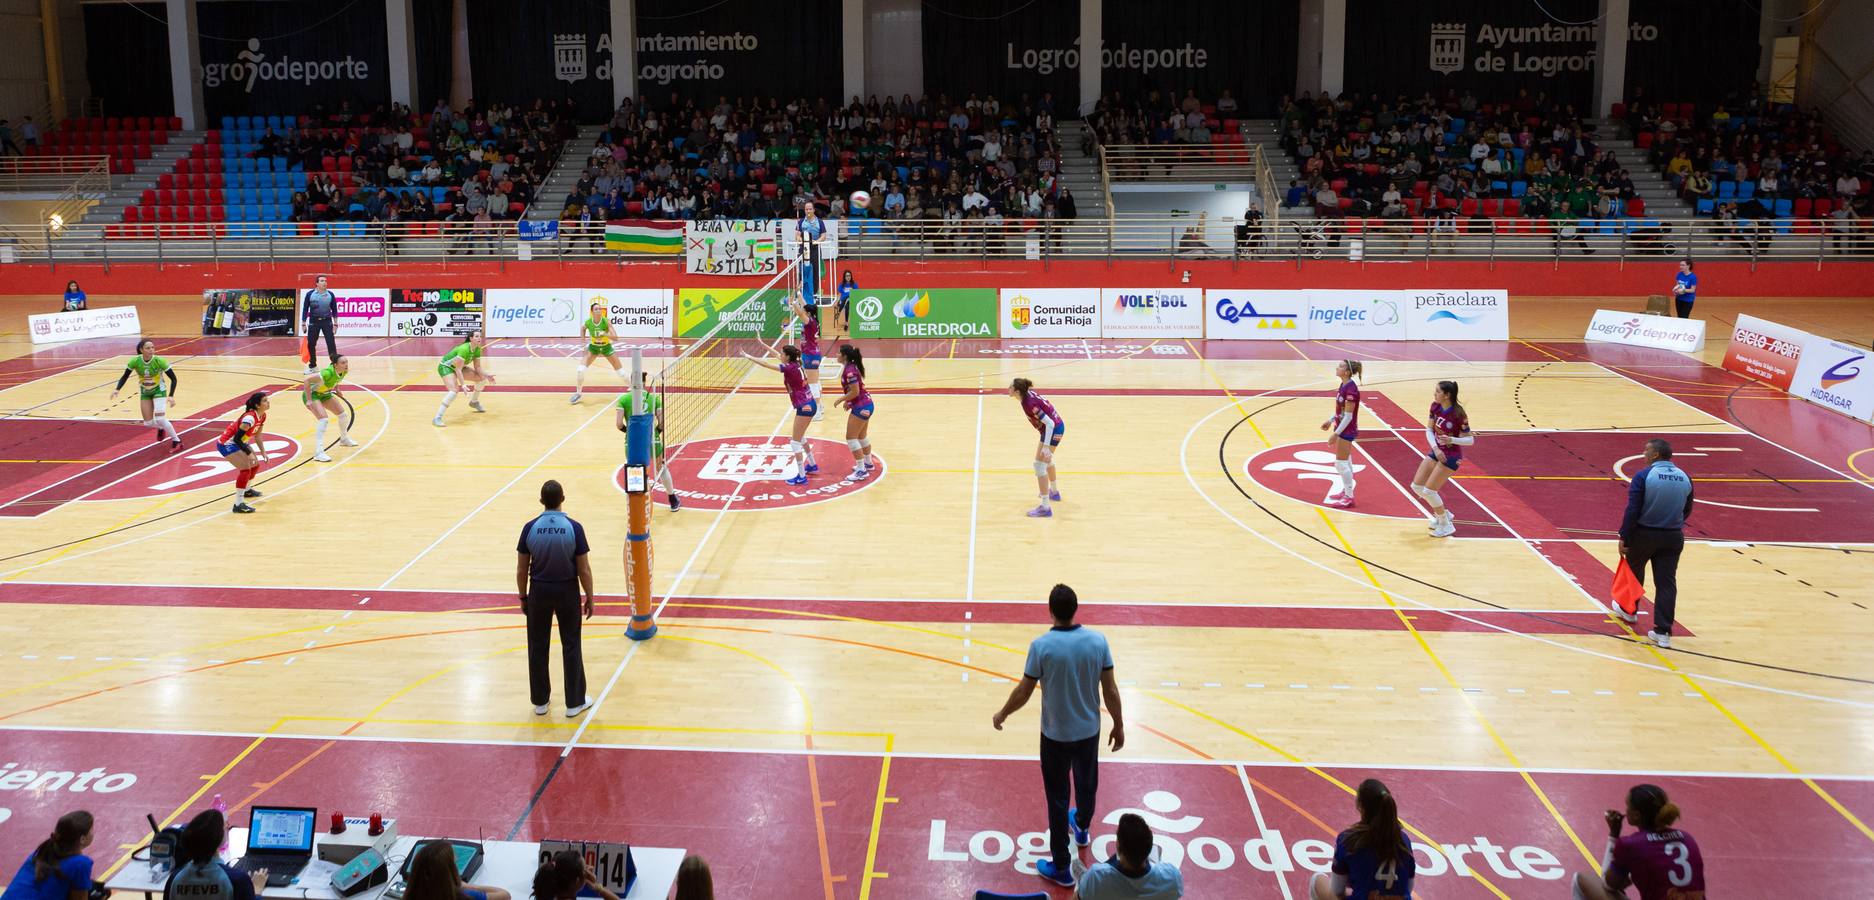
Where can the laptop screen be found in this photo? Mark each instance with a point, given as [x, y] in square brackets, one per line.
[281, 830]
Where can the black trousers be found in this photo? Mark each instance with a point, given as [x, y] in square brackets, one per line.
[315, 325]
[546, 601]
[1661, 548]
[1059, 761]
[1683, 306]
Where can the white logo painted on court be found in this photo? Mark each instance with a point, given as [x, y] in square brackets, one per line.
[1311, 465]
[744, 463]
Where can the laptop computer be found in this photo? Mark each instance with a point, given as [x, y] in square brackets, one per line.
[279, 839]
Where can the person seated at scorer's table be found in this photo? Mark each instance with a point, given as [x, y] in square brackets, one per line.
[433, 876]
[567, 876]
[74, 298]
[200, 874]
[1131, 874]
[694, 881]
[58, 868]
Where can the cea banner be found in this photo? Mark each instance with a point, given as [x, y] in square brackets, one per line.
[642, 312]
[1050, 312]
[426, 312]
[732, 247]
[1232, 315]
[250, 311]
[932, 313]
[359, 312]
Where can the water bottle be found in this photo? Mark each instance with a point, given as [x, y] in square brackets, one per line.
[222, 808]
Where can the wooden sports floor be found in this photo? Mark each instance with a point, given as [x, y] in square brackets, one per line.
[814, 715]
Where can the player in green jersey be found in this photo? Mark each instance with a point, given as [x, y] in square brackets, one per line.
[598, 331]
[153, 400]
[653, 404]
[463, 365]
[321, 394]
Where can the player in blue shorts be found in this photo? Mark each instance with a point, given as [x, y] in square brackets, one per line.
[1373, 859]
[858, 403]
[810, 358]
[804, 408]
[1045, 420]
[1343, 429]
[1447, 433]
[842, 308]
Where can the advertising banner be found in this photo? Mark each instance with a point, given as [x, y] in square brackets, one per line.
[1232, 315]
[1050, 313]
[1455, 315]
[1152, 313]
[84, 323]
[1833, 374]
[913, 313]
[1355, 316]
[1766, 351]
[736, 48]
[534, 312]
[1641, 330]
[700, 310]
[548, 49]
[732, 247]
[250, 311]
[359, 312]
[635, 312]
[268, 57]
[426, 312]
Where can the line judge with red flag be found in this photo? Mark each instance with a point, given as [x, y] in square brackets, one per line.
[1659, 499]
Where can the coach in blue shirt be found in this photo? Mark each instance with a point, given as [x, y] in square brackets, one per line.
[553, 571]
[1076, 667]
[1659, 499]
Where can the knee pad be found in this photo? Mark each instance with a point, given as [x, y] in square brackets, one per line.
[1432, 497]
[1424, 492]
[797, 447]
[855, 446]
[1344, 467]
[582, 370]
[1041, 469]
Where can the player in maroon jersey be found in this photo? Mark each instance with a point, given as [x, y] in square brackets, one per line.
[1343, 429]
[804, 407]
[1042, 416]
[1663, 862]
[1447, 433]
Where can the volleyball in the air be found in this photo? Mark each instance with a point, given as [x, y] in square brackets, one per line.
[861, 200]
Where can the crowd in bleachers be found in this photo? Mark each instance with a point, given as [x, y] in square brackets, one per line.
[935, 160]
[338, 171]
[1753, 162]
[1156, 118]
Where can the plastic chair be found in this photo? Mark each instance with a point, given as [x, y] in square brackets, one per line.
[1727, 190]
[1706, 206]
[1746, 190]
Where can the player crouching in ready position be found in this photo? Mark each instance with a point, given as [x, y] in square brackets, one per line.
[1447, 433]
[598, 329]
[654, 405]
[321, 394]
[463, 365]
[240, 445]
[1042, 416]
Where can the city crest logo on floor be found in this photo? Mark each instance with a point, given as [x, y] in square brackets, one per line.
[747, 473]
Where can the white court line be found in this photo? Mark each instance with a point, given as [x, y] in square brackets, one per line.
[320, 473]
[976, 481]
[1025, 758]
[137, 449]
[498, 494]
[1184, 452]
[1620, 466]
[1255, 809]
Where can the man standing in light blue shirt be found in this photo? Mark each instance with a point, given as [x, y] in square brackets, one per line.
[1076, 666]
[1659, 499]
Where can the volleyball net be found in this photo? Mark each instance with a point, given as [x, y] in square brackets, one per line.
[730, 322]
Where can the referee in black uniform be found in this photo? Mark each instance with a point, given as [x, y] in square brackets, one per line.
[553, 571]
[319, 310]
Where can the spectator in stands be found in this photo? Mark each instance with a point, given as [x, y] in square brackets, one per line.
[1847, 187]
[1374, 857]
[29, 131]
[1697, 187]
[6, 140]
[74, 298]
[199, 871]
[693, 880]
[1326, 201]
[433, 876]
[1226, 104]
[1131, 874]
[1065, 205]
[58, 868]
[1658, 859]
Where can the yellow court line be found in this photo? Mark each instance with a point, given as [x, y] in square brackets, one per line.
[878, 817]
[61, 462]
[546, 725]
[834, 617]
[208, 781]
[1857, 469]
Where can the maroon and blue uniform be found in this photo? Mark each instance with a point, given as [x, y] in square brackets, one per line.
[1347, 400]
[1037, 408]
[1449, 422]
[1664, 865]
[1372, 878]
[797, 392]
[850, 378]
[810, 342]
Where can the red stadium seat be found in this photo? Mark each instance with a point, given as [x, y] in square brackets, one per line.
[1491, 208]
[1468, 208]
[1512, 207]
[1636, 206]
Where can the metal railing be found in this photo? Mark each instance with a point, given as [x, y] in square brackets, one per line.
[1233, 162]
[1811, 241]
[55, 174]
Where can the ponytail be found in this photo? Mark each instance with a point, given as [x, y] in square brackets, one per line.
[253, 400]
[1021, 385]
[66, 840]
[1450, 389]
[853, 357]
[202, 837]
[1651, 809]
[1354, 368]
[559, 876]
[1379, 829]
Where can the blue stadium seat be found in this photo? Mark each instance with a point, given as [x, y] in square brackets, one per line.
[1727, 190]
[1783, 207]
[273, 122]
[236, 214]
[246, 164]
[227, 123]
[1519, 188]
[1706, 206]
[253, 213]
[1783, 225]
[1746, 190]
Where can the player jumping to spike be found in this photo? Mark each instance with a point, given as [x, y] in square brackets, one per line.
[654, 405]
[321, 394]
[598, 329]
[463, 365]
[1343, 430]
[804, 408]
[1447, 433]
[152, 399]
[1042, 416]
[859, 405]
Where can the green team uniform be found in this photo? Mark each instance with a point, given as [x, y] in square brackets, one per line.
[599, 340]
[328, 384]
[149, 376]
[461, 354]
[654, 405]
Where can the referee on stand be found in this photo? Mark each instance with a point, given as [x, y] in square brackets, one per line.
[319, 309]
[1653, 530]
[553, 570]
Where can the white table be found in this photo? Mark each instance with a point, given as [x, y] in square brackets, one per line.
[509, 865]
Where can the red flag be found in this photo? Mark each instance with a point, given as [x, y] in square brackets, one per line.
[1627, 590]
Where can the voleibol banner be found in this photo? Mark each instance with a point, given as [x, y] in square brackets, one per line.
[732, 247]
[1152, 312]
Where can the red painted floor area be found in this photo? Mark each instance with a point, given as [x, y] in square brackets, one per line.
[796, 825]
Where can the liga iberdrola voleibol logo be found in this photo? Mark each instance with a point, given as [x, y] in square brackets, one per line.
[750, 473]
